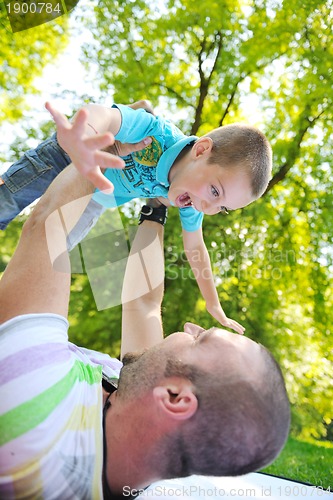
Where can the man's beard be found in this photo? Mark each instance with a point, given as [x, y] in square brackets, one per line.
[132, 357]
[131, 374]
[140, 371]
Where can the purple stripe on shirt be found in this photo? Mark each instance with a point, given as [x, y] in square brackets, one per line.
[32, 358]
[98, 358]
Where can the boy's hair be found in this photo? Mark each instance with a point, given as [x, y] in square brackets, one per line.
[240, 145]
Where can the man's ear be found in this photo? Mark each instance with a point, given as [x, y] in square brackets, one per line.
[202, 146]
[175, 398]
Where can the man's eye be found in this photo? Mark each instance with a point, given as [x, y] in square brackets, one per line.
[224, 211]
[215, 192]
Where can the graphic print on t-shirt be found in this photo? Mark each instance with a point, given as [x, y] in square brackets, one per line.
[150, 155]
[140, 166]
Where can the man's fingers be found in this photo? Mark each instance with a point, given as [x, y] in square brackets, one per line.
[100, 141]
[138, 145]
[142, 104]
[59, 118]
[107, 160]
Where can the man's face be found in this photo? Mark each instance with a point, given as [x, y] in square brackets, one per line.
[209, 188]
[234, 354]
[215, 349]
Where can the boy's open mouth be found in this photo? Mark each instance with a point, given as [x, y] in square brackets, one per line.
[183, 200]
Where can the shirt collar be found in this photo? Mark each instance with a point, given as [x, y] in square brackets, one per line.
[168, 158]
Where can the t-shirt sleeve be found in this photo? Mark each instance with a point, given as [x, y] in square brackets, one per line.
[190, 219]
[50, 414]
[138, 124]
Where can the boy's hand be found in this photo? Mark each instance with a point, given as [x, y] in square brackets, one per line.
[218, 313]
[85, 151]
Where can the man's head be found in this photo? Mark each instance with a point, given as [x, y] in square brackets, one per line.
[224, 396]
[228, 168]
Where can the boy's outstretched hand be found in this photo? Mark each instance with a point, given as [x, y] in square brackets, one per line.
[85, 151]
[218, 313]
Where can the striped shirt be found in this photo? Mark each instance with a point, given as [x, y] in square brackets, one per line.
[50, 411]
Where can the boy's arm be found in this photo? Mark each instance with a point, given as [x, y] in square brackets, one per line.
[92, 129]
[143, 288]
[198, 257]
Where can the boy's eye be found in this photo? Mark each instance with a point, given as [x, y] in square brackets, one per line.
[224, 211]
[215, 192]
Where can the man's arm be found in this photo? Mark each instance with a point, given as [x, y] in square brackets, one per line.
[143, 289]
[198, 257]
[31, 283]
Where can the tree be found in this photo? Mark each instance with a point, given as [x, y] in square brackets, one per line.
[214, 63]
[23, 57]
[206, 63]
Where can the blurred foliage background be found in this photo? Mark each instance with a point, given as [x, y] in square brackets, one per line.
[206, 64]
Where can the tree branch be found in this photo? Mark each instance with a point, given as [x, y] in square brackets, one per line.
[174, 92]
[205, 81]
[305, 122]
[242, 77]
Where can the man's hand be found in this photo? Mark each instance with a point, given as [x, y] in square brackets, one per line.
[121, 149]
[218, 313]
[85, 150]
[143, 104]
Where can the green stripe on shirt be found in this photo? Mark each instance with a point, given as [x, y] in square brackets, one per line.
[30, 414]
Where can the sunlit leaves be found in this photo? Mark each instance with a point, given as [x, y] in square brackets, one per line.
[212, 63]
[23, 56]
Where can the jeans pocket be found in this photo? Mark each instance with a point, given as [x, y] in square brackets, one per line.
[35, 164]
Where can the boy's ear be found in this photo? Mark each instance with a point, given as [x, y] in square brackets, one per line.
[202, 146]
[175, 398]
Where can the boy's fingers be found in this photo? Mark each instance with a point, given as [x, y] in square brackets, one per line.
[107, 160]
[99, 181]
[58, 117]
[237, 327]
[80, 120]
[100, 141]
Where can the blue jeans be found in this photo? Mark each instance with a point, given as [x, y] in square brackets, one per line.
[29, 177]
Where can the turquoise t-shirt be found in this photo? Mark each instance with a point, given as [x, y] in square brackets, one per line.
[146, 172]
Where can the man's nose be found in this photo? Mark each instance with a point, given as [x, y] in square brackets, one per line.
[192, 328]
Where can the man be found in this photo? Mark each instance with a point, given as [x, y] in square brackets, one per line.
[198, 402]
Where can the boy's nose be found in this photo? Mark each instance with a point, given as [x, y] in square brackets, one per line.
[209, 208]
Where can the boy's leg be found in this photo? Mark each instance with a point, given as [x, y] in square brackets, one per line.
[28, 178]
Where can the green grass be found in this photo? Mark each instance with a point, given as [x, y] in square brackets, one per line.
[310, 462]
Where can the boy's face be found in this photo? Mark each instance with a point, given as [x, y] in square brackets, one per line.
[209, 188]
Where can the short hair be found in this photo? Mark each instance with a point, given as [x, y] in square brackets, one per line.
[244, 146]
[239, 427]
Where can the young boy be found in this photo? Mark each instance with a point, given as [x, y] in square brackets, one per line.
[223, 170]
